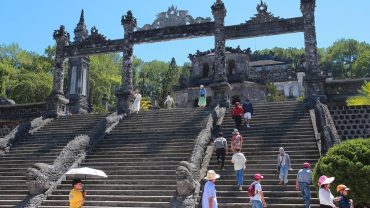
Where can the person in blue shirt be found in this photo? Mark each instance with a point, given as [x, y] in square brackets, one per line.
[304, 178]
[248, 112]
[344, 202]
[202, 97]
[209, 198]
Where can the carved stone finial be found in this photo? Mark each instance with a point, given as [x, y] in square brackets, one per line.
[128, 19]
[173, 17]
[61, 34]
[262, 15]
[82, 18]
[81, 31]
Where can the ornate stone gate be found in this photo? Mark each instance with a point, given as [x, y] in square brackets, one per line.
[172, 25]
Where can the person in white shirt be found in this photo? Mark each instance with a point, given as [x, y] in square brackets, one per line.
[135, 107]
[169, 102]
[239, 165]
[258, 200]
[326, 198]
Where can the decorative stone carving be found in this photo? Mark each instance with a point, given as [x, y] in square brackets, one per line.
[173, 17]
[95, 37]
[263, 15]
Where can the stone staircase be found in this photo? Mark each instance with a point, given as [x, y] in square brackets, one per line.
[140, 157]
[43, 146]
[274, 125]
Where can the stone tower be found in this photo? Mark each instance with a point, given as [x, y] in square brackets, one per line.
[78, 74]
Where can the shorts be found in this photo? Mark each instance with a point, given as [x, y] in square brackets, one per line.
[247, 115]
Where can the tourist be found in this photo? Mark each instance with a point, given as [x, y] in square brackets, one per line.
[257, 199]
[237, 114]
[77, 194]
[283, 165]
[221, 149]
[135, 107]
[239, 166]
[202, 102]
[169, 102]
[248, 112]
[325, 197]
[209, 198]
[344, 202]
[236, 141]
[304, 178]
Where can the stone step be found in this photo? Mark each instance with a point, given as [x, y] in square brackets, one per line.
[247, 205]
[91, 203]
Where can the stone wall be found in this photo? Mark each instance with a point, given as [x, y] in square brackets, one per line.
[12, 115]
[340, 90]
[351, 122]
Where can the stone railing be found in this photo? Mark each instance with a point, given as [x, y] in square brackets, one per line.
[190, 173]
[351, 121]
[42, 178]
[325, 131]
[21, 131]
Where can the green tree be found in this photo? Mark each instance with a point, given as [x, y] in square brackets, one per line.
[349, 163]
[363, 98]
[105, 77]
[343, 55]
[31, 87]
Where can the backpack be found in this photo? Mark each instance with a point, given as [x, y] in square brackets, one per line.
[252, 190]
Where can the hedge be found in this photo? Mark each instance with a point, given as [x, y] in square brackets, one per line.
[349, 163]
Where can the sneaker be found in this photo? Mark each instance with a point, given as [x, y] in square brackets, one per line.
[248, 126]
[240, 188]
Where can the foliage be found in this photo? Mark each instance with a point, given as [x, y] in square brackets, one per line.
[349, 163]
[105, 77]
[31, 87]
[26, 75]
[273, 95]
[347, 58]
[145, 104]
[363, 98]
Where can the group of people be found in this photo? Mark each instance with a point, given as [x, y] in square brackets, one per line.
[135, 106]
[303, 180]
[241, 111]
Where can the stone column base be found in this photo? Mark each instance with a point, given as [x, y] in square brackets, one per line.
[56, 105]
[77, 104]
[221, 94]
[123, 102]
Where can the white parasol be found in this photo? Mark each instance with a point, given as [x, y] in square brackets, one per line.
[86, 172]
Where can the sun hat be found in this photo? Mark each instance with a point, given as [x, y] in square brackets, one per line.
[342, 187]
[237, 103]
[258, 176]
[211, 175]
[306, 165]
[325, 180]
[236, 131]
[201, 85]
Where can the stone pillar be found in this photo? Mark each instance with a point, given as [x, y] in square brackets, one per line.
[314, 81]
[78, 74]
[219, 13]
[124, 91]
[221, 88]
[56, 102]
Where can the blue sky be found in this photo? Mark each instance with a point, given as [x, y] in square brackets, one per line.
[30, 23]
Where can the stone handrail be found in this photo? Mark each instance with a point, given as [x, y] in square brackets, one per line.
[325, 131]
[190, 173]
[42, 178]
[20, 131]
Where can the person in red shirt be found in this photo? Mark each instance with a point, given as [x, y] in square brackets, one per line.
[237, 114]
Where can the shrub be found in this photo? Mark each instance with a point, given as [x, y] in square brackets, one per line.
[349, 163]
